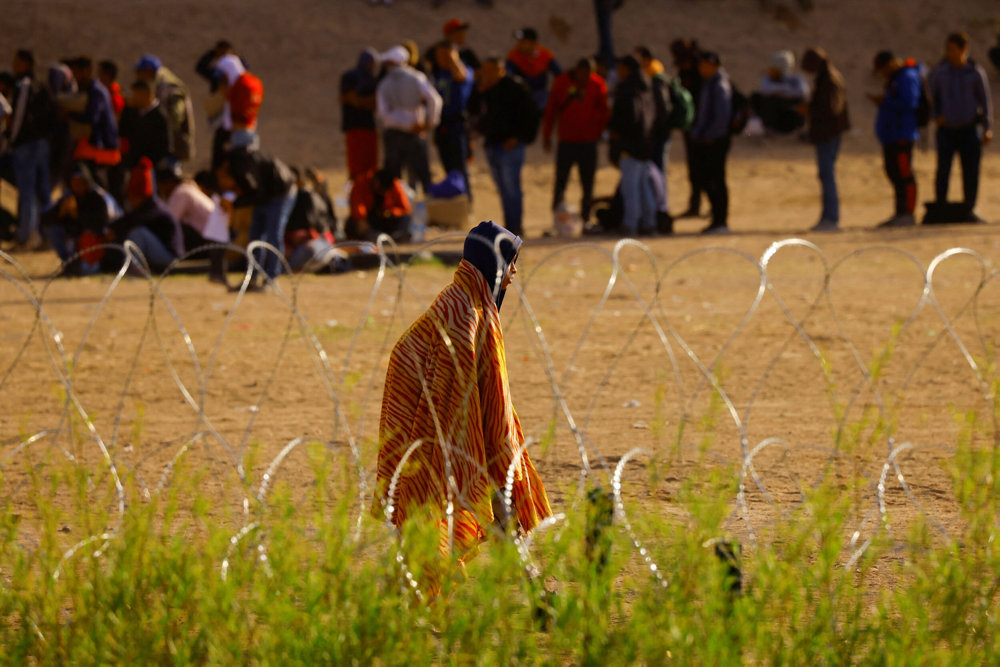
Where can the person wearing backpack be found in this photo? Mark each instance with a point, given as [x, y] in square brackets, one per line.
[963, 112]
[710, 138]
[31, 123]
[828, 119]
[897, 128]
[578, 104]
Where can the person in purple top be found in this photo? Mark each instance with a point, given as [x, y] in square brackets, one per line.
[710, 138]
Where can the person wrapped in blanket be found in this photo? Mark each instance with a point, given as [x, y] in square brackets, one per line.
[448, 433]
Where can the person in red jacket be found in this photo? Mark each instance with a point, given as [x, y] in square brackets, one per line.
[533, 63]
[578, 103]
[378, 205]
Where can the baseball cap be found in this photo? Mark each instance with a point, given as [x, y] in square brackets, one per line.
[397, 55]
[454, 25]
[148, 61]
[529, 34]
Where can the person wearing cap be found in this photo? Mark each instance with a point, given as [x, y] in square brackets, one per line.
[456, 32]
[143, 129]
[357, 113]
[147, 224]
[408, 106]
[533, 63]
[578, 105]
[897, 130]
[193, 209]
[963, 110]
[453, 80]
[29, 128]
[710, 138]
[175, 100]
[828, 120]
[450, 441]
[507, 119]
[780, 94]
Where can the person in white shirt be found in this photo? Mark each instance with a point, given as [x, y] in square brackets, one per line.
[407, 106]
[195, 211]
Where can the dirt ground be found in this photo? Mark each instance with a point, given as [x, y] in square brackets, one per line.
[613, 364]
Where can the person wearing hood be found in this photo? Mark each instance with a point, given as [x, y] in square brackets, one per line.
[449, 436]
[828, 120]
[238, 99]
[408, 107]
[357, 113]
[781, 92]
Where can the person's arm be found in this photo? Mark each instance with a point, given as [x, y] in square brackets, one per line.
[985, 100]
[603, 110]
[554, 67]
[432, 98]
[21, 106]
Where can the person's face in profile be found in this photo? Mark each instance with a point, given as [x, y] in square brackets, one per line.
[511, 270]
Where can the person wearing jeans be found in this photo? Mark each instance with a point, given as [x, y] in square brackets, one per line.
[637, 196]
[30, 162]
[508, 121]
[505, 167]
[826, 113]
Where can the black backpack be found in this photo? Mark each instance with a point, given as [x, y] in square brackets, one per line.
[740, 113]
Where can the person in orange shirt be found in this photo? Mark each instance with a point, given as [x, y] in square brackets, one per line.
[533, 63]
[578, 104]
[378, 205]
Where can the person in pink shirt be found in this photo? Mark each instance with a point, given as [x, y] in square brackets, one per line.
[193, 209]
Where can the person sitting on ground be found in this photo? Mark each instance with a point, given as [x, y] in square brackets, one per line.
[533, 63]
[447, 392]
[77, 222]
[780, 94]
[379, 205]
[148, 224]
[143, 129]
[193, 209]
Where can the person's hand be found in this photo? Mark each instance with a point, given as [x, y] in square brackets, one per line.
[876, 99]
[987, 137]
[510, 144]
[226, 204]
[418, 128]
[547, 144]
[67, 209]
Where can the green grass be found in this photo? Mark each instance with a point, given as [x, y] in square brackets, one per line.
[304, 587]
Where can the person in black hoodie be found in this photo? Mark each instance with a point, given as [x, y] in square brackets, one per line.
[143, 128]
[507, 118]
[269, 185]
[148, 224]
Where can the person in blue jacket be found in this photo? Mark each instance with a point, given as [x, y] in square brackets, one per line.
[897, 129]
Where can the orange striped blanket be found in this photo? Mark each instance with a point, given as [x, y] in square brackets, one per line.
[447, 389]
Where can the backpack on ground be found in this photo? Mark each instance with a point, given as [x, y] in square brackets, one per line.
[740, 113]
[681, 106]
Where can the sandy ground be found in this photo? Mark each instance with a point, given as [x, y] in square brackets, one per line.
[631, 368]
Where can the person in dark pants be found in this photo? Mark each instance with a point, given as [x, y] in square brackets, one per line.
[828, 120]
[578, 104]
[508, 121]
[685, 54]
[606, 48]
[963, 109]
[453, 80]
[897, 130]
[710, 139]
